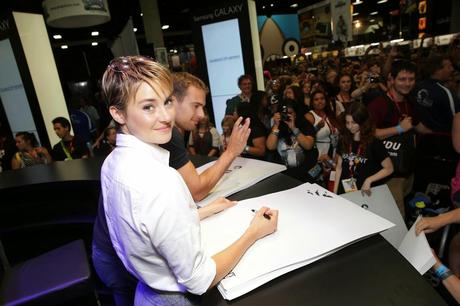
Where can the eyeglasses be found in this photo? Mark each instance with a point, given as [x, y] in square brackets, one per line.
[124, 63]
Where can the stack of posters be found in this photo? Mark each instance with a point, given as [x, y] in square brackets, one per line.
[242, 173]
[312, 224]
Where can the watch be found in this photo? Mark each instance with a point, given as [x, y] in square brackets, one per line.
[246, 149]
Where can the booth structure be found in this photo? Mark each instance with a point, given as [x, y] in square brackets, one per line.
[30, 89]
[227, 45]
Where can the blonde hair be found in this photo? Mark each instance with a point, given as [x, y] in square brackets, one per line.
[125, 74]
[183, 80]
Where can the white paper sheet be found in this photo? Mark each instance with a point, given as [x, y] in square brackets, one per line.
[242, 173]
[382, 203]
[417, 250]
[312, 223]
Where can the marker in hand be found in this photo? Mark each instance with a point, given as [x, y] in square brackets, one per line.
[265, 215]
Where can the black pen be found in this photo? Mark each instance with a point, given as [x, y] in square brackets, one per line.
[265, 215]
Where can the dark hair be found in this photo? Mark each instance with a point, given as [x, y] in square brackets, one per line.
[62, 121]
[401, 65]
[358, 111]
[284, 131]
[341, 75]
[245, 77]
[330, 112]
[28, 137]
[432, 64]
[298, 94]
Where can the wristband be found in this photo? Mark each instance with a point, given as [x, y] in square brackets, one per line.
[399, 129]
[442, 272]
[275, 132]
[296, 132]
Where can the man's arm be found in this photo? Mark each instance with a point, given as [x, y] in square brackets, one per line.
[200, 184]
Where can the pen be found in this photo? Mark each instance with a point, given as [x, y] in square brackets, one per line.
[265, 215]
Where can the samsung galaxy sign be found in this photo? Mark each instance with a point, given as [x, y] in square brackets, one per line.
[220, 12]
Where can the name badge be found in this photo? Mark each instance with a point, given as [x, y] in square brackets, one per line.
[349, 185]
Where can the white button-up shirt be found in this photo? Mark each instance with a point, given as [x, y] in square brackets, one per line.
[152, 219]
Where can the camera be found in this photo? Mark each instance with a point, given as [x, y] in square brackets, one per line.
[284, 113]
[374, 79]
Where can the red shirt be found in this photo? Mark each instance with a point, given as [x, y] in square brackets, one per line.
[387, 113]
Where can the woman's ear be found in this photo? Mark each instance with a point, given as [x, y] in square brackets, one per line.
[117, 115]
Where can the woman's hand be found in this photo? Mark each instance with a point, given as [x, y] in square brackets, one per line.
[366, 187]
[291, 122]
[276, 119]
[264, 223]
[429, 224]
[215, 207]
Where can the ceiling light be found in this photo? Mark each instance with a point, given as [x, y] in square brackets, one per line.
[263, 7]
[355, 14]
[294, 5]
[271, 4]
[372, 20]
[142, 14]
[94, 43]
[382, 1]
[395, 41]
[357, 24]
[165, 27]
[94, 33]
[308, 53]
[57, 36]
[357, 2]
[135, 30]
[374, 13]
[64, 47]
[375, 44]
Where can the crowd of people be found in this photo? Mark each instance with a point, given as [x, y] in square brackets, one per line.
[349, 124]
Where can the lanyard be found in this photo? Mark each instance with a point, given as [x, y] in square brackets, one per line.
[392, 98]
[353, 163]
[330, 126]
[66, 152]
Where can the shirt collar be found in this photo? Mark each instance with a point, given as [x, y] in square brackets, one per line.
[130, 141]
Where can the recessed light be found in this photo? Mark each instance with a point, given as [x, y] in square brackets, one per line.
[165, 27]
[372, 20]
[94, 33]
[94, 43]
[357, 2]
[64, 47]
[374, 13]
[355, 14]
[382, 1]
[294, 5]
[57, 36]
[263, 7]
[142, 14]
[135, 30]
[271, 4]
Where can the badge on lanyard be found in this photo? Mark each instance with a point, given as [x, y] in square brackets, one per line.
[349, 185]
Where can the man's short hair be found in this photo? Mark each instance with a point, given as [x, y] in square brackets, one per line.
[63, 122]
[401, 65]
[182, 81]
[245, 77]
[125, 74]
[433, 63]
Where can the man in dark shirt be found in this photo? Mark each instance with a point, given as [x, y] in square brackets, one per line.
[70, 147]
[436, 104]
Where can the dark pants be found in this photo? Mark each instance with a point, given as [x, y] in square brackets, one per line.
[146, 296]
[114, 275]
